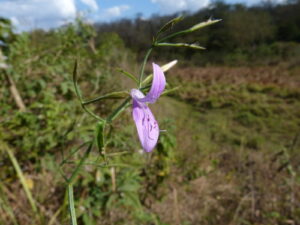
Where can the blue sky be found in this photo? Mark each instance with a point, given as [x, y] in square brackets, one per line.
[30, 14]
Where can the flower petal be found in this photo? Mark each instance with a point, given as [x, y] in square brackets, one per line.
[157, 87]
[147, 126]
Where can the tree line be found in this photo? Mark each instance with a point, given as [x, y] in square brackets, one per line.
[265, 33]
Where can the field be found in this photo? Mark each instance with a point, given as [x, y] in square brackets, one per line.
[228, 152]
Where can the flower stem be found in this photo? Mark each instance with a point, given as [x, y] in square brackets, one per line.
[173, 35]
[143, 66]
[70, 182]
[72, 204]
[82, 160]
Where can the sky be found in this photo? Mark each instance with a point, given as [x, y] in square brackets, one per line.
[46, 14]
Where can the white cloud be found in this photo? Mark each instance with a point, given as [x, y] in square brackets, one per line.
[109, 14]
[254, 2]
[116, 11]
[171, 6]
[91, 3]
[28, 14]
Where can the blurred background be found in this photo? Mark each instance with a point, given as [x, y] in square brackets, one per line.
[230, 153]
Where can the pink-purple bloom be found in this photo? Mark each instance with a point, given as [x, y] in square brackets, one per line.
[147, 126]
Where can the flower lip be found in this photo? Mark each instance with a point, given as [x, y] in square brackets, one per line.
[147, 126]
[157, 86]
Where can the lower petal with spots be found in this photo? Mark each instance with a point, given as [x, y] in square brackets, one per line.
[147, 126]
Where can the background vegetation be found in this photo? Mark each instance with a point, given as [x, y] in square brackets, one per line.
[230, 153]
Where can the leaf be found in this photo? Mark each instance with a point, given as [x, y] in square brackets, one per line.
[169, 25]
[166, 92]
[194, 46]
[77, 90]
[20, 175]
[128, 75]
[100, 136]
[203, 24]
[112, 95]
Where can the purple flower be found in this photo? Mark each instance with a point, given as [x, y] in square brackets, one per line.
[147, 126]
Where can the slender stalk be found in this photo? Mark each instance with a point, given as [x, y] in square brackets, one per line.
[81, 162]
[114, 95]
[14, 92]
[73, 152]
[21, 177]
[90, 112]
[70, 182]
[143, 66]
[132, 77]
[72, 204]
[173, 35]
[78, 93]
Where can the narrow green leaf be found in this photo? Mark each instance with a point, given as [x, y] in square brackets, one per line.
[112, 95]
[82, 160]
[100, 136]
[77, 90]
[166, 92]
[203, 24]
[193, 28]
[120, 109]
[21, 176]
[128, 75]
[78, 93]
[72, 153]
[169, 25]
[194, 46]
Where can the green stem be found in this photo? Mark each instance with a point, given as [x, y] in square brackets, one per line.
[84, 157]
[90, 112]
[72, 153]
[70, 182]
[113, 95]
[143, 66]
[72, 204]
[79, 96]
[128, 75]
[173, 35]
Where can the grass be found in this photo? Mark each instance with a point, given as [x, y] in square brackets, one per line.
[232, 135]
[228, 156]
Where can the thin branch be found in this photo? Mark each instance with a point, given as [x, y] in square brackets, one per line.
[14, 92]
